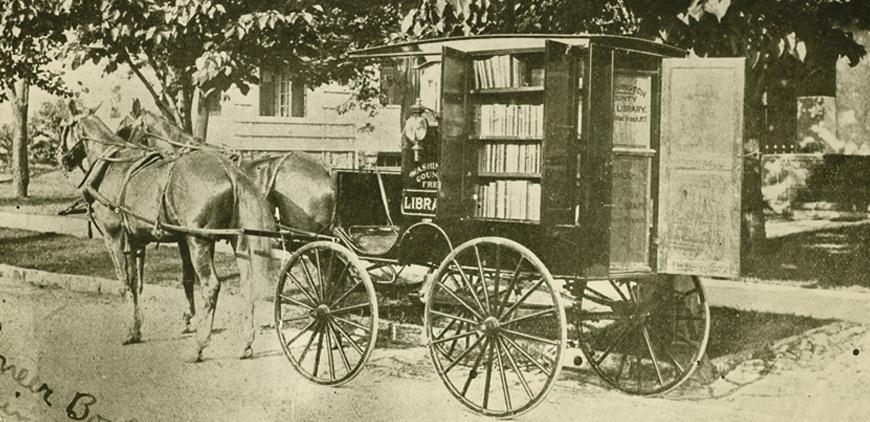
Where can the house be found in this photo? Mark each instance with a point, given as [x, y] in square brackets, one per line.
[283, 115]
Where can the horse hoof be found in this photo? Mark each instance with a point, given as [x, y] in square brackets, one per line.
[248, 353]
[188, 330]
[132, 340]
[194, 356]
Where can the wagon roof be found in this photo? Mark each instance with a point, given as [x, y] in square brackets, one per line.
[484, 43]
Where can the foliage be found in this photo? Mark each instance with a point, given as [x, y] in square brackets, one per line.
[31, 31]
[45, 128]
[5, 142]
[180, 48]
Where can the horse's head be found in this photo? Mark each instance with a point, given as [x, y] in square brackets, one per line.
[84, 138]
[144, 127]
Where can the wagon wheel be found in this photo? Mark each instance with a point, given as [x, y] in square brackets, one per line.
[644, 336]
[326, 313]
[496, 328]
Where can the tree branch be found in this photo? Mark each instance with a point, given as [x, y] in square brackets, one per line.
[158, 98]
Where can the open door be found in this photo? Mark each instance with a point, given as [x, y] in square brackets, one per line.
[700, 167]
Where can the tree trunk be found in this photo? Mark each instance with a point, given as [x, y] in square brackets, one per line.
[20, 96]
[200, 118]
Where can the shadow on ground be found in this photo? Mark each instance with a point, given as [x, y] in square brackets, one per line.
[837, 257]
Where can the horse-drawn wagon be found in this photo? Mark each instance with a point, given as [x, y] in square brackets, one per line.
[549, 184]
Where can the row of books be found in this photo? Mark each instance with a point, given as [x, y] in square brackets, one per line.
[520, 120]
[510, 158]
[505, 72]
[509, 199]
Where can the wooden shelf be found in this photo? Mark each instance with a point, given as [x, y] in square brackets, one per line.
[509, 90]
[510, 175]
[505, 139]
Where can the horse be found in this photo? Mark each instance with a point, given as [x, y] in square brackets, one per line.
[298, 186]
[137, 197]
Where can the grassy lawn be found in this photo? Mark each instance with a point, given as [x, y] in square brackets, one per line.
[50, 191]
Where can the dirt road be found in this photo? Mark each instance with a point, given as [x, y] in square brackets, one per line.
[72, 344]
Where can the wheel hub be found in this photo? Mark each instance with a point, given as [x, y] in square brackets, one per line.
[490, 325]
[321, 311]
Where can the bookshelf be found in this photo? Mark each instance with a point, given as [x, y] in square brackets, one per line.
[507, 129]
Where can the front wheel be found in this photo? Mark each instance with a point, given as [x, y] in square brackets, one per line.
[495, 326]
[326, 313]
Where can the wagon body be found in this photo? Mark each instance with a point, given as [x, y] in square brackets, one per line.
[551, 184]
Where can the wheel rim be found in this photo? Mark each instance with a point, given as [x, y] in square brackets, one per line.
[496, 349]
[326, 313]
[644, 336]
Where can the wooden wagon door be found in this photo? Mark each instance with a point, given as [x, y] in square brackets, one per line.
[700, 167]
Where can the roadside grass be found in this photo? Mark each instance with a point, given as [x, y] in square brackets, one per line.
[829, 258]
[70, 255]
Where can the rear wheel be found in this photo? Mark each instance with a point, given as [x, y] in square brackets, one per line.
[496, 327]
[643, 336]
[326, 313]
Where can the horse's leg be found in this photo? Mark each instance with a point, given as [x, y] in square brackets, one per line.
[188, 276]
[202, 259]
[125, 262]
[245, 262]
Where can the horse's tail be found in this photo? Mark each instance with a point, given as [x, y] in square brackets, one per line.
[253, 252]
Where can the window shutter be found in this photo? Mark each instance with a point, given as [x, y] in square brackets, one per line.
[267, 93]
[297, 100]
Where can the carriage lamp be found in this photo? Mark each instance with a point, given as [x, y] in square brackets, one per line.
[416, 128]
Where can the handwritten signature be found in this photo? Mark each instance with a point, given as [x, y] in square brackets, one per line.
[79, 408]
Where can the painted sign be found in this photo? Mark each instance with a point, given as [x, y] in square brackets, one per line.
[632, 110]
[419, 202]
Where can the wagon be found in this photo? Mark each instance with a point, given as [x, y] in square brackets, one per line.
[553, 190]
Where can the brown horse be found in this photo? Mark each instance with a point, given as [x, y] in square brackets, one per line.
[297, 185]
[136, 194]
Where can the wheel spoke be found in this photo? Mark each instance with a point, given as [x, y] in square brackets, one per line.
[329, 357]
[523, 298]
[482, 279]
[340, 347]
[349, 322]
[531, 337]
[488, 381]
[462, 355]
[652, 355]
[600, 316]
[346, 293]
[297, 303]
[514, 278]
[349, 308]
[473, 372]
[622, 361]
[530, 316]
[504, 383]
[310, 342]
[302, 289]
[467, 284]
[516, 368]
[300, 333]
[497, 277]
[454, 317]
[319, 350]
[294, 319]
[618, 290]
[348, 337]
[462, 302]
[526, 355]
[598, 297]
[445, 330]
[319, 274]
[456, 337]
[309, 278]
[622, 335]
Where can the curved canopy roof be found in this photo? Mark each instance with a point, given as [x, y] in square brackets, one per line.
[483, 43]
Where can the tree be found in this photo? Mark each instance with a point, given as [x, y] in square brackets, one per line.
[45, 127]
[29, 31]
[785, 42]
[186, 52]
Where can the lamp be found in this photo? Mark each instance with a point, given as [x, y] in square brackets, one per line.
[416, 128]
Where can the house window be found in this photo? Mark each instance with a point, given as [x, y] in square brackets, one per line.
[281, 96]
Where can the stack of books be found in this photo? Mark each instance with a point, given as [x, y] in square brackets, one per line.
[509, 199]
